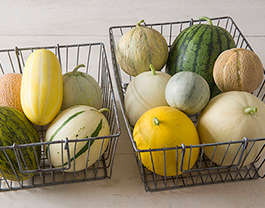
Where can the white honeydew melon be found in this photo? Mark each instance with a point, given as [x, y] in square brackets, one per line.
[232, 116]
[145, 91]
[77, 122]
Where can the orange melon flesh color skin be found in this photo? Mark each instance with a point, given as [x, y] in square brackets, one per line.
[238, 69]
[166, 127]
[42, 87]
[10, 85]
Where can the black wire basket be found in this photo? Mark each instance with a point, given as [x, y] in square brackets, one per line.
[205, 171]
[94, 57]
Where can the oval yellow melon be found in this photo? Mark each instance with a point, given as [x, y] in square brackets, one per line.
[41, 87]
[166, 127]
[238, 69]
[10, 85]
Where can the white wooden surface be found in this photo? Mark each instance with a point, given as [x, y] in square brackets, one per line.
[41, 23]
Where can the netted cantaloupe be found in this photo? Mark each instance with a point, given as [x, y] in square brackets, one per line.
[10, 85]
[238, 69]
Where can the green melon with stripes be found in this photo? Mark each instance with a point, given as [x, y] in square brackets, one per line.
[139, 47]
[75, 123]
[196, 49]
[16, 128]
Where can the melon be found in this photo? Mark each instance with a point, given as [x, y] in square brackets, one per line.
[238, 69]
[75, 123]
[16, 128]
[145, 91]
[10, 86]
[140, 47]
[188, 92]
[231, 116]
[165, 127]
[41, 87]
[196, 49]
[80, 88]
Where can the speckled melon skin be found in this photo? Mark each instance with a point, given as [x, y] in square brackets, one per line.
[15, 128]
[140, 47]
[238, 69]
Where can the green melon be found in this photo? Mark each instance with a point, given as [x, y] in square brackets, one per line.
[80, 88]
[196, 49]
[188, 92]
[16, 128]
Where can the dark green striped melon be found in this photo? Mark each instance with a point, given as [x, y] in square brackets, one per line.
[77, 122]
[140, 47]
[16, 128]
[196, 49]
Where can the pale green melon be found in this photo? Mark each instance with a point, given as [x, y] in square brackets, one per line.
[80, 88]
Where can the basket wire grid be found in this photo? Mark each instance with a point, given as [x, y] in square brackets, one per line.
[205, 171]
[93, 56]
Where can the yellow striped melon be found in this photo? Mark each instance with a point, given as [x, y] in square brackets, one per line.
[41, 87]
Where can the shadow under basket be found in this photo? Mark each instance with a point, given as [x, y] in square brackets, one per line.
[93, 56]
[204, 171]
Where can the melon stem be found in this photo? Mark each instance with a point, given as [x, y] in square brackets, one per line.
[207, 19]
[156, 122]
[152, 69]
[251, 110]
[78, 66]
[138, 23]
[103, 109]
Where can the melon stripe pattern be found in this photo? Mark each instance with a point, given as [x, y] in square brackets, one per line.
[41, 87]
[196, 49]
[15, 128]
[89, 142]
[140, 47]
[85, 147]
[140, 30]
[64, 123]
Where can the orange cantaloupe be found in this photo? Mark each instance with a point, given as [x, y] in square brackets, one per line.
[238, 69]
[10, 85]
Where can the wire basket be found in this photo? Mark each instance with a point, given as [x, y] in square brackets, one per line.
[93, 56]
[205, 171]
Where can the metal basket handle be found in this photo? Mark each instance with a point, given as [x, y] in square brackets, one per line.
[183, 151]
[16, 148]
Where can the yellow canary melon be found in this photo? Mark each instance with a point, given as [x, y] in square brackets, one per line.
[166, 127]
[238, 69]
[42, 87]
[10, 85]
